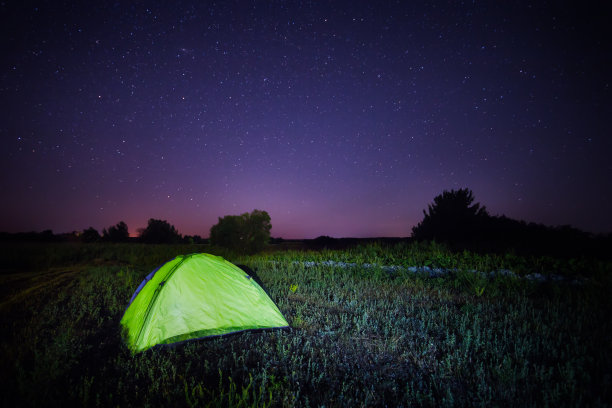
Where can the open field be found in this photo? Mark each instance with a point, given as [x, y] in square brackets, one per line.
[360, 336]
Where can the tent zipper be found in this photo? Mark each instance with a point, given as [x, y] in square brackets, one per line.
[155, 295]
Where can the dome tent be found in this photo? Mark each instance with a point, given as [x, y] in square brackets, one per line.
[195, 296]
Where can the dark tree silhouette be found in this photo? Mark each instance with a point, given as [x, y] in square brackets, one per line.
[116, 233]
[454, 219]
[193, 239]
[90, 235]
[245, 233]
[32, 236]
[325, 241]
[159, 232]
[451, 217]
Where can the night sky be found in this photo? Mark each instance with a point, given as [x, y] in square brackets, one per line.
[338, 118]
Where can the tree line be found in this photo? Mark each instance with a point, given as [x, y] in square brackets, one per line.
[456, 219]
[247, 233]
[453, 218]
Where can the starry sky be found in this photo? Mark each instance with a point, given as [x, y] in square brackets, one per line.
[340, 118]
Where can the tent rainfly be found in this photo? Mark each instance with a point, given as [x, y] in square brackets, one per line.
[195, 296]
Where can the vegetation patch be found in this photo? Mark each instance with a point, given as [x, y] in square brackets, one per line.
[359, 337]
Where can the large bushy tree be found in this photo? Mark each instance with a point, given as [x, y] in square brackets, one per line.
[90, 235]
[116, 233]
[452, 217]
[159, 232]
[245, 233]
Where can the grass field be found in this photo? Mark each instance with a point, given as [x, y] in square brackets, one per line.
[360, 336]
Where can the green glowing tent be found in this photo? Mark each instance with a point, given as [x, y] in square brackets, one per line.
[194, 296]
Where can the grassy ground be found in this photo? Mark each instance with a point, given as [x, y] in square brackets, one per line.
[360, 336]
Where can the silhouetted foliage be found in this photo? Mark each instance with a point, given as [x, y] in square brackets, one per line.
[74, 236]
[324, 242]
[116, 233]
[47, 235]
[501, 232]
[245, 233]
[451, 217]
[44, 236]
[193, 239]
[278, 240]
[159, 232]
[90, 235]
[455, 220]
